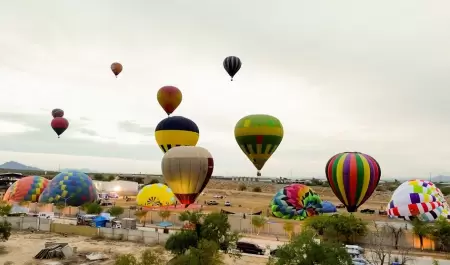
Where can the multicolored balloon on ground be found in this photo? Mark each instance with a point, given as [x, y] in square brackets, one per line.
[26, 189]
[57, 113]
[72, 188]
[258, 136]
[295, 201]
[232, 65]
[169, 97]
[419, 199]
[327, 207]
[155, 195]
[353, 177]
[176, 131]
[187, 170]
[59, 125]
[116, 68]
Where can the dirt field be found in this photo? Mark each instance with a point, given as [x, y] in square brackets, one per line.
[22, 247]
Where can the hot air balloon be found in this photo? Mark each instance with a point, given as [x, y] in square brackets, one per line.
[353, 177]
[72, 187]
[169, 97]
[419, 199]
[258, 136]
[187, 170]
[26, 189]
[57, 113]
[59, 125]
[176, 131]
[155, 195]
[232, 64]
[295, 201]
[116, 68]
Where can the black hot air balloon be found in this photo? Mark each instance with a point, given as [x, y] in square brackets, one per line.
[57, 113]
[232, 64]
[59, 125]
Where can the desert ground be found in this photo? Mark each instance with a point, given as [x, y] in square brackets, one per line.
[23, 246]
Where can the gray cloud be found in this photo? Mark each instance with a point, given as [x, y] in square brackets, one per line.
[130, 126]
[88, 132]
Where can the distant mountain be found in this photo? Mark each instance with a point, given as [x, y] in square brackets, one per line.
[18, 166]
[440, 178]
[84, 170]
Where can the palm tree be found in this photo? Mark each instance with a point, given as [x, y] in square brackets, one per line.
[258, 222]
[421, 229]
[288, 227]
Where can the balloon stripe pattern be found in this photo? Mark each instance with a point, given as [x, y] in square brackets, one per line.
[176, 131]
[155, 195]
[353, 177]
[232, 65]
[258, 136]
[28, 189]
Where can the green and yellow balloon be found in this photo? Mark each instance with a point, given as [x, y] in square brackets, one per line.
[258, 136]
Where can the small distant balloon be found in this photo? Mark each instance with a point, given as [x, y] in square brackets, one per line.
[116, 68]
[169, 97]
[57, 113]
[59, 125]
[232, 65]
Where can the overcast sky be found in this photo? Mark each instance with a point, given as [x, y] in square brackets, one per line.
[368, 76]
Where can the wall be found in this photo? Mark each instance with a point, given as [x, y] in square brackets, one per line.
[147, 237]
[74, 229]
[25, 223]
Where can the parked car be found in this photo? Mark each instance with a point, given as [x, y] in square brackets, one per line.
[251, 248]
[360, 261]
[218, 197]
[212, 203]
[340, 206]
[368, 211]
[227, 203]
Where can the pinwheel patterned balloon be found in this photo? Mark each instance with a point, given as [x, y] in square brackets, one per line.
[155, 195]
[353, 177]
[295, 201]
[419, 199]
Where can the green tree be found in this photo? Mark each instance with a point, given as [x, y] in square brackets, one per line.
[242, 187]
[441, 234]
[5, 230]
[154, 181]
[304, 250]
[422, 230]
[94, 208]
[338, 227]
[207, 252]
[180, 242]
[115, 211]
[5, 209]
[288, 227]
[258, 222]
[111, 177]
[98, 177]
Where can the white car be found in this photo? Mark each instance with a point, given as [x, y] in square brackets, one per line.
[227, 203]
[360, 261]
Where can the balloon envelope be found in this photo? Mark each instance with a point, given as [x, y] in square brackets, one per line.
[295, 201]
[169, 97]
[57, 113]
[155, 195]
[328, 207]
[72, 187]
[258, 136]
[59, 125]
[353, 177]
[419, 199]
[232, 65]
[116, 68]
[26, 189]
[176, 131]
[187, 170]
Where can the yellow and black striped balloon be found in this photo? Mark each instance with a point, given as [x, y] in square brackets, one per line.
[176, 131]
